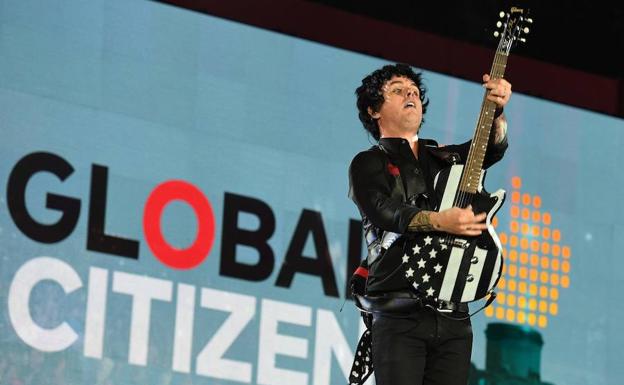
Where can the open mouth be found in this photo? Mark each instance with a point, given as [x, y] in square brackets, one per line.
[410, 105]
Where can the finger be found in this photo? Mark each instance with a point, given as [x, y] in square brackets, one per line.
[486, 78]
[494, 84]
[474, 214]
[504, 92]
[478, 226]
[499, 100]
[480, 217]
[474, 226]
[471, 232]
[499, 91]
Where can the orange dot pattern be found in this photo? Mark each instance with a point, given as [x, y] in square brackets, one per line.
[537, 264]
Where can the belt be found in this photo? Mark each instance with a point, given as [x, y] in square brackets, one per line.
[459, 307]
[405, 302]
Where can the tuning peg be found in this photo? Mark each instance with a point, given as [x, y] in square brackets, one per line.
[496, 33]
[501, 14]
[523, 40]
[526, 30]
[499, 24]
[529, 20]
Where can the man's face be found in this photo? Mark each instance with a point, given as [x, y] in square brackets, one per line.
[401, 111]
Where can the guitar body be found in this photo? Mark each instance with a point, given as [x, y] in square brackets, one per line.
[453, 268]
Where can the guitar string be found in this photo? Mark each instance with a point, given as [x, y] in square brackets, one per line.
[462, 199]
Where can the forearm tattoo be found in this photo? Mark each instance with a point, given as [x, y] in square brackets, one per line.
[421, 222]
[500, 129]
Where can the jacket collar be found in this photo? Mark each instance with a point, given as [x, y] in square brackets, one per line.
[399, 147]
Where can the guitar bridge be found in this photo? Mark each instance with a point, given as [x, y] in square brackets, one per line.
[454, 242]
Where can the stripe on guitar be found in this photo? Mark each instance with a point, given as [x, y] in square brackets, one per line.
[450, 275]
[451, 186]
[494, 268]
[480, 185]
[470, 289]
[496, 272]
[462, 274]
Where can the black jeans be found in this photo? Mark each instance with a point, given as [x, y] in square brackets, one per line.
[422, 348]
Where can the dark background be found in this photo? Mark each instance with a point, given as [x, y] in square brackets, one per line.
[573, 55]
[584, 35]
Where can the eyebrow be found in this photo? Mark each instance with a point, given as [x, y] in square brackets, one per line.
[402, 82]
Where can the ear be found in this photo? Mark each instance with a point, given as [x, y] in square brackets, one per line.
[373, 114]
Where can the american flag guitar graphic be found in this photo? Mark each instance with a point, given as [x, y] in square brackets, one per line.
[465, 269]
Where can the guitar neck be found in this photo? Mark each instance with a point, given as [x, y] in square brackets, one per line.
[474, 164]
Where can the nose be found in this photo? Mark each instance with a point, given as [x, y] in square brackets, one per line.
[411, 92]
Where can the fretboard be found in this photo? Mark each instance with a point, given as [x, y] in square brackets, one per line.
[474, 164]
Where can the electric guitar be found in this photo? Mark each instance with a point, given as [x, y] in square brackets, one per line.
[453, 268]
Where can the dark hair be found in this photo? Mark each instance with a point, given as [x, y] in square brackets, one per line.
[370, 93]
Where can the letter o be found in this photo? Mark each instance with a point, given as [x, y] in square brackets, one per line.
[159, 198]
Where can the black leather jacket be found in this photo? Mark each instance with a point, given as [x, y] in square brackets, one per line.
[389, 186]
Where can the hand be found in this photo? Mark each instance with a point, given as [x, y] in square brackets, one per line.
[499, 90]
[459, 221]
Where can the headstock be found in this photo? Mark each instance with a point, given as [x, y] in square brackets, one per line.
[512, 26]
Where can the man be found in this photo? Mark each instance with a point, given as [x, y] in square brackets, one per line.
[421, 345]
